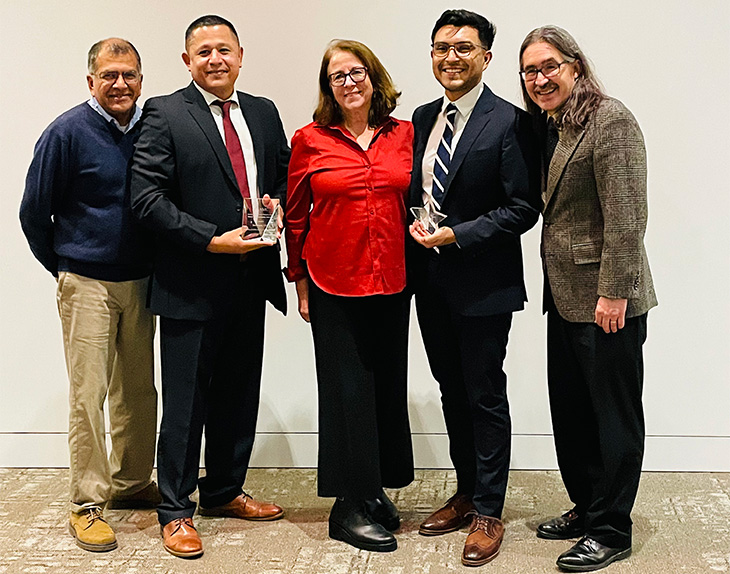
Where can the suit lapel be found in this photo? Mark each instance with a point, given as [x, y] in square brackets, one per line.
[478, 121]
[563, 152]
[204, 118]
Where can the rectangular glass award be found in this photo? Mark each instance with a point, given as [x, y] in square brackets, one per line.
[429, 218]
[259, 221]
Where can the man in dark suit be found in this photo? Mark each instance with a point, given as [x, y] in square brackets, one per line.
[598, 291]
[474, 162]
[206, 151]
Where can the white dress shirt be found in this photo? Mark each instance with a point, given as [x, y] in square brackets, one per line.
[244, 135]
[464, 107]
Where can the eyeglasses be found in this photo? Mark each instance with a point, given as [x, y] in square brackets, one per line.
[461, 49]
[549, 70]
[357, 75]
[131, 77]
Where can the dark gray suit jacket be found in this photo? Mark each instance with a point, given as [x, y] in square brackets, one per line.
[594, 217]
[183, 188]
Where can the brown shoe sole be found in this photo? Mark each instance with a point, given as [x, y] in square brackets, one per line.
[91, 547]
[481, 562]
[193, 554]
[224, 513]
[433, 532]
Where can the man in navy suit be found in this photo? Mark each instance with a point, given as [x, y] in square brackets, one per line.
[204, 154]
[475, 162]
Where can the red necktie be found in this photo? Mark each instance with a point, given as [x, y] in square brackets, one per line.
[233, 145]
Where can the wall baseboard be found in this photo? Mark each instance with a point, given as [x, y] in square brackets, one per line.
[292, 450]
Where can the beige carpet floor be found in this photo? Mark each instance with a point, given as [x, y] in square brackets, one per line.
[681, 525]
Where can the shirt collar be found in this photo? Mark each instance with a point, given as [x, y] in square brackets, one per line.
[210, 98]
[96, 106]
[465, 104]
[338, 128]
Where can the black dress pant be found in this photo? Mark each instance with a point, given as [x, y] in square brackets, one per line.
[595, 383]
[211, 378]
[466, 355]
[361, 355]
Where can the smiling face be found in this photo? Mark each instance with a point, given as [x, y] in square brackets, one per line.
[117, 97]
[549, 93]
[352, 98]
[458, 75]
[214, 58]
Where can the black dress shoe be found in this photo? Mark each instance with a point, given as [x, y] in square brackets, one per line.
[588, 555]
[383, 511]
[569, 525]
[351, 523]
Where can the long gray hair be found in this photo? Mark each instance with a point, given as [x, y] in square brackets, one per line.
[587, 92]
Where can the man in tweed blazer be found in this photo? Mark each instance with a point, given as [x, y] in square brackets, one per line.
[598, 290]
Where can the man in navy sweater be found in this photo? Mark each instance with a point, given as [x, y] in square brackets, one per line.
[76, 217]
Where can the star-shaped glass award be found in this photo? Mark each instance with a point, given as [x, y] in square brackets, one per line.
[428, 216]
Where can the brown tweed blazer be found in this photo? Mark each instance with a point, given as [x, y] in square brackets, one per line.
[594, 217]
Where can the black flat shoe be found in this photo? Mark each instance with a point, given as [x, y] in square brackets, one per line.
[588, 555]
[383, 511]
[569, 525]
[350, 522]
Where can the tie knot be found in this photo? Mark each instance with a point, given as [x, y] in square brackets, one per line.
[225, 106]
[451, 109]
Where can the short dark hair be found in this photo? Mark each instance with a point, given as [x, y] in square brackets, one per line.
[459, 18]
[117, 46]
[209, 20]
[385, 96]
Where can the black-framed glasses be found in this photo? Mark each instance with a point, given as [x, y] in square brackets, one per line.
[549, 70]
[461, 49]
[357, 75]
[130, 77]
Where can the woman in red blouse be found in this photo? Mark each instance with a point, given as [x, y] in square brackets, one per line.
[345, 237]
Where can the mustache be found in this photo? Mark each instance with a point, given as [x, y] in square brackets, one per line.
[547, 87]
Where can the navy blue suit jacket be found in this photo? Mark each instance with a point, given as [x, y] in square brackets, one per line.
[491, 198]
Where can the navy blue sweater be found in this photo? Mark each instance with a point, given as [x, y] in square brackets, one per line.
[75, 211]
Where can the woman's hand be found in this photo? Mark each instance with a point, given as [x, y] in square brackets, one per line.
[303, 297]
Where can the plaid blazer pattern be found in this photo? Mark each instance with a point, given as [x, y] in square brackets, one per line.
[594, 217]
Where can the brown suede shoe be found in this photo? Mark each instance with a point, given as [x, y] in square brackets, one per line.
[91, 531]
[485, 538]
[451, 516]
[181, 539]
[243, 506]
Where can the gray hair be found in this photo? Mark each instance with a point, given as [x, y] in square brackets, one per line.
[115, 46]
[587, 92]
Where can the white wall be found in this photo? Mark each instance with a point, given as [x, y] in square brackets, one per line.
[667, 60]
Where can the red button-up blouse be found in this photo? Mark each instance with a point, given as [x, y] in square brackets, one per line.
[345, 209]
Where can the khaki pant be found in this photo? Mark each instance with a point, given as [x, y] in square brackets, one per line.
[107, 338]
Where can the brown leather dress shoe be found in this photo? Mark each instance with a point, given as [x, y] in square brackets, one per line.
[243, 506]
[485, 538]
[451, 516]
[181, 539]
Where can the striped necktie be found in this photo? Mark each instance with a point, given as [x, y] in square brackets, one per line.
[443, 156]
